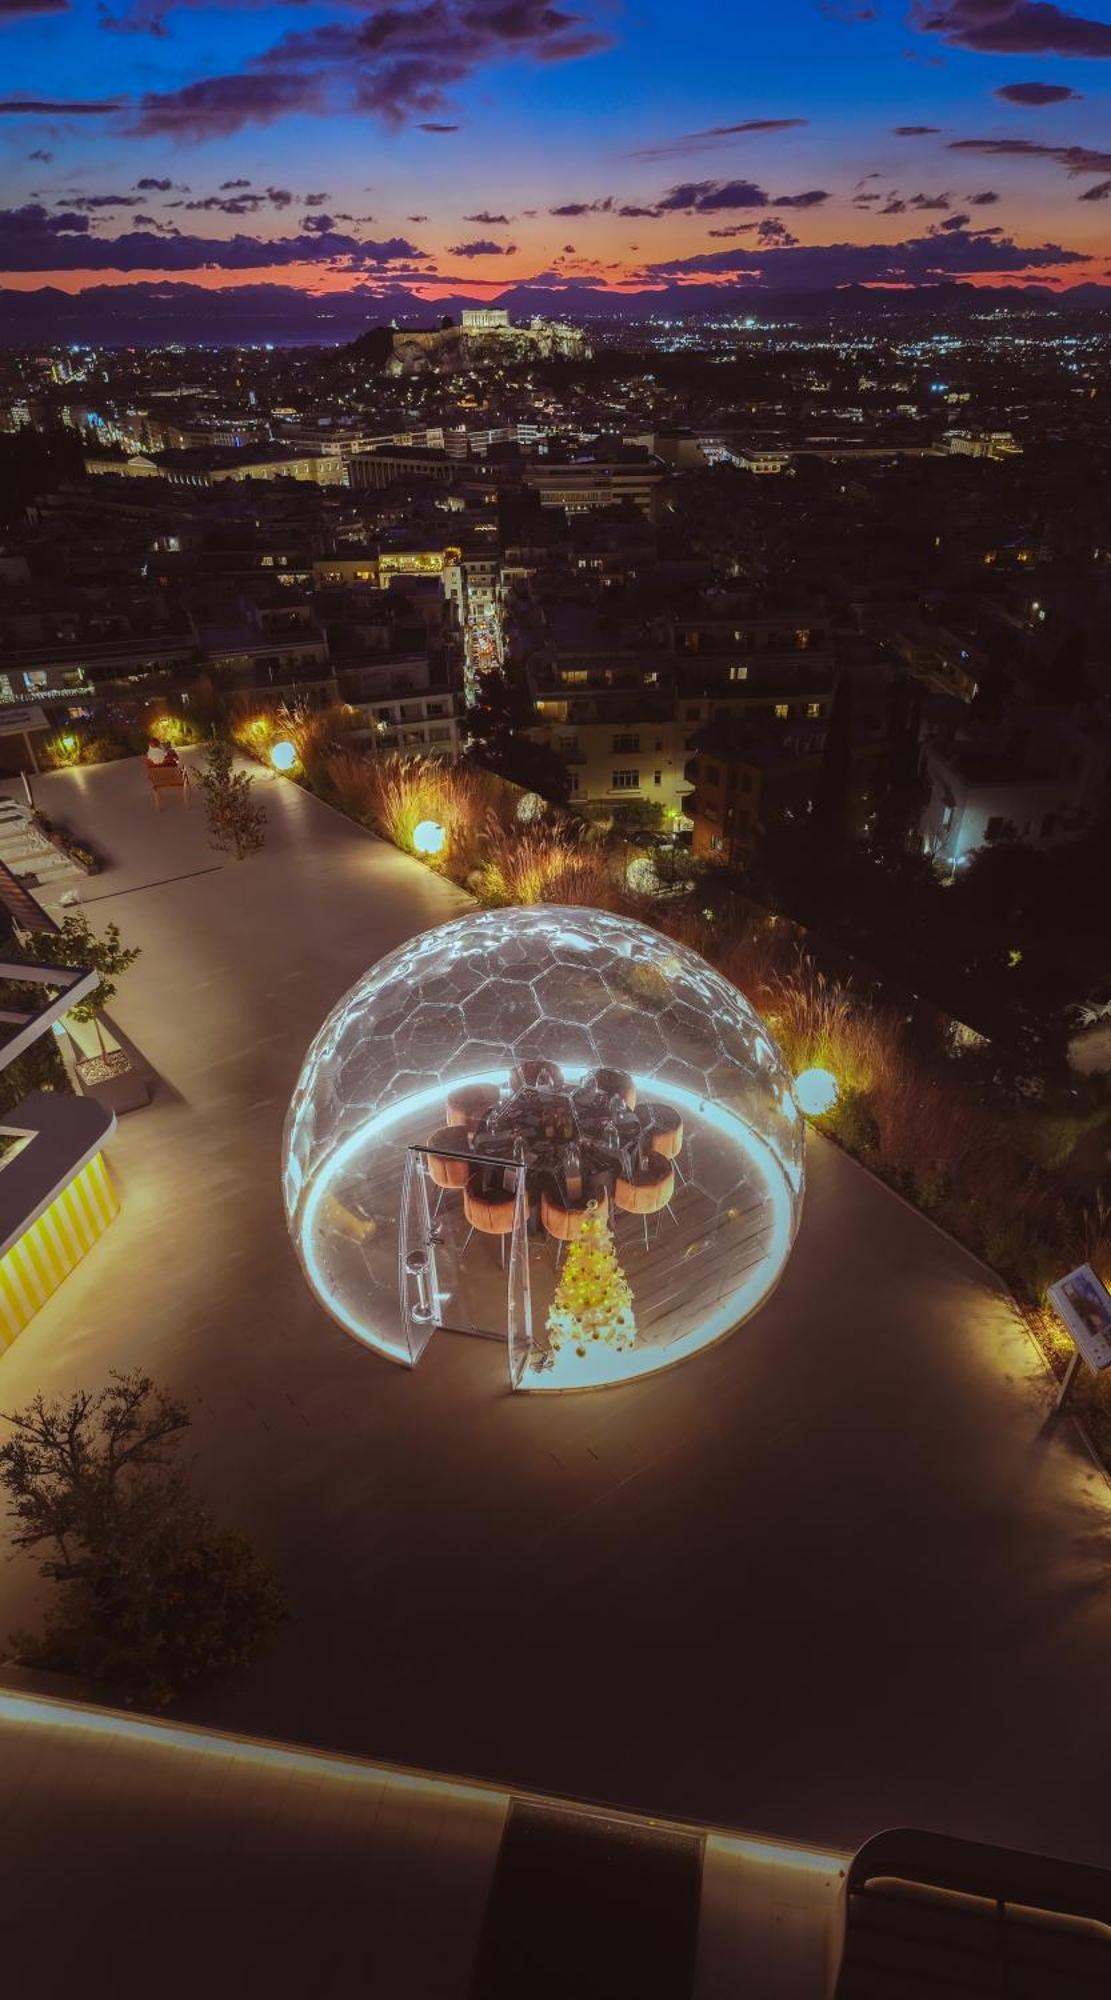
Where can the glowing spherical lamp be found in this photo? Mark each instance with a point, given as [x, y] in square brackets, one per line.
[641, 876]
[816, 1092]
[429, 837]
[283, 756]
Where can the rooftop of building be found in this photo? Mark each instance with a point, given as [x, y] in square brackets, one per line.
[218, 456]
[415, 453]
[730, 1713]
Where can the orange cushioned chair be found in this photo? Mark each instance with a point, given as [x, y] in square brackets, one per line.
[564, 1220]
[488, 1207]
[647, 1190]
[445, 1170]
[665, 1133]
[469, 1104]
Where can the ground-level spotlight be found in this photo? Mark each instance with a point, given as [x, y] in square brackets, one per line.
[816, 1092]
[283, 756]
[429, 837]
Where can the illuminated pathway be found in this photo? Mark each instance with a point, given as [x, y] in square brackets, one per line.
[832, 1575]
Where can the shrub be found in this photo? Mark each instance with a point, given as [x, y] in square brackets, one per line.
[40, 1067]
[103, 749]
[852, 1124]
[166, 726]
[150, 1594]
[69, 747]
[1052, 1136]
[60, 751]
[236, 823]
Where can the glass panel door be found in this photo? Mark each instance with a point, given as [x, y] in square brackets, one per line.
[519, 1299]
[417, 1278]
[463, 1258]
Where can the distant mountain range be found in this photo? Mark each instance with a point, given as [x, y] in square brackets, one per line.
[168, 312]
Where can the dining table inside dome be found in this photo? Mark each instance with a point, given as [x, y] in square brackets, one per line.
[584, 1145]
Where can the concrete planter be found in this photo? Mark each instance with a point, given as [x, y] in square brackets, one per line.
[81, 857]
[104, 1069]
[113, 1080]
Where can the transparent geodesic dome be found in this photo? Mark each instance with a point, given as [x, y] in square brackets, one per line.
[520, 1011]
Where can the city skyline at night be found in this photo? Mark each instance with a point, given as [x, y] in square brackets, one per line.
[451, 148]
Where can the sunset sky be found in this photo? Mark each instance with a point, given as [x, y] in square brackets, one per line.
[466, 144]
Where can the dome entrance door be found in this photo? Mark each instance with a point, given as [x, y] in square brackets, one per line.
[463, 1262]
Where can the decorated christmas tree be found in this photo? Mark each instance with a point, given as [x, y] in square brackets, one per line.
[593, 1299]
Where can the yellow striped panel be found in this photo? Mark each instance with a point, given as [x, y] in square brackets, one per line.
[46, 1253]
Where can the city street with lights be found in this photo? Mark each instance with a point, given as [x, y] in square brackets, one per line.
[482, 648]
[828, 1575]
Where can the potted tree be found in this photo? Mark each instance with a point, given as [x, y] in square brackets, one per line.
[103, 1068]
[236, 822]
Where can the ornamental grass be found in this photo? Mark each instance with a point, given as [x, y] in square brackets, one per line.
[315, 733]
[349, 779]
[404, 792]
[559, 864]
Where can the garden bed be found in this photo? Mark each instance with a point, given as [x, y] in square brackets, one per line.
[68, 844]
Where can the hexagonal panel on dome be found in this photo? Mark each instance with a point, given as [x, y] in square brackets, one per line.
[617, 1170]
[577, 1046]
[427, 1031]
[630, 1038]
[572, 992]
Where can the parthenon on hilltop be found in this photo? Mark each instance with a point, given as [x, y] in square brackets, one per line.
[485, 333]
